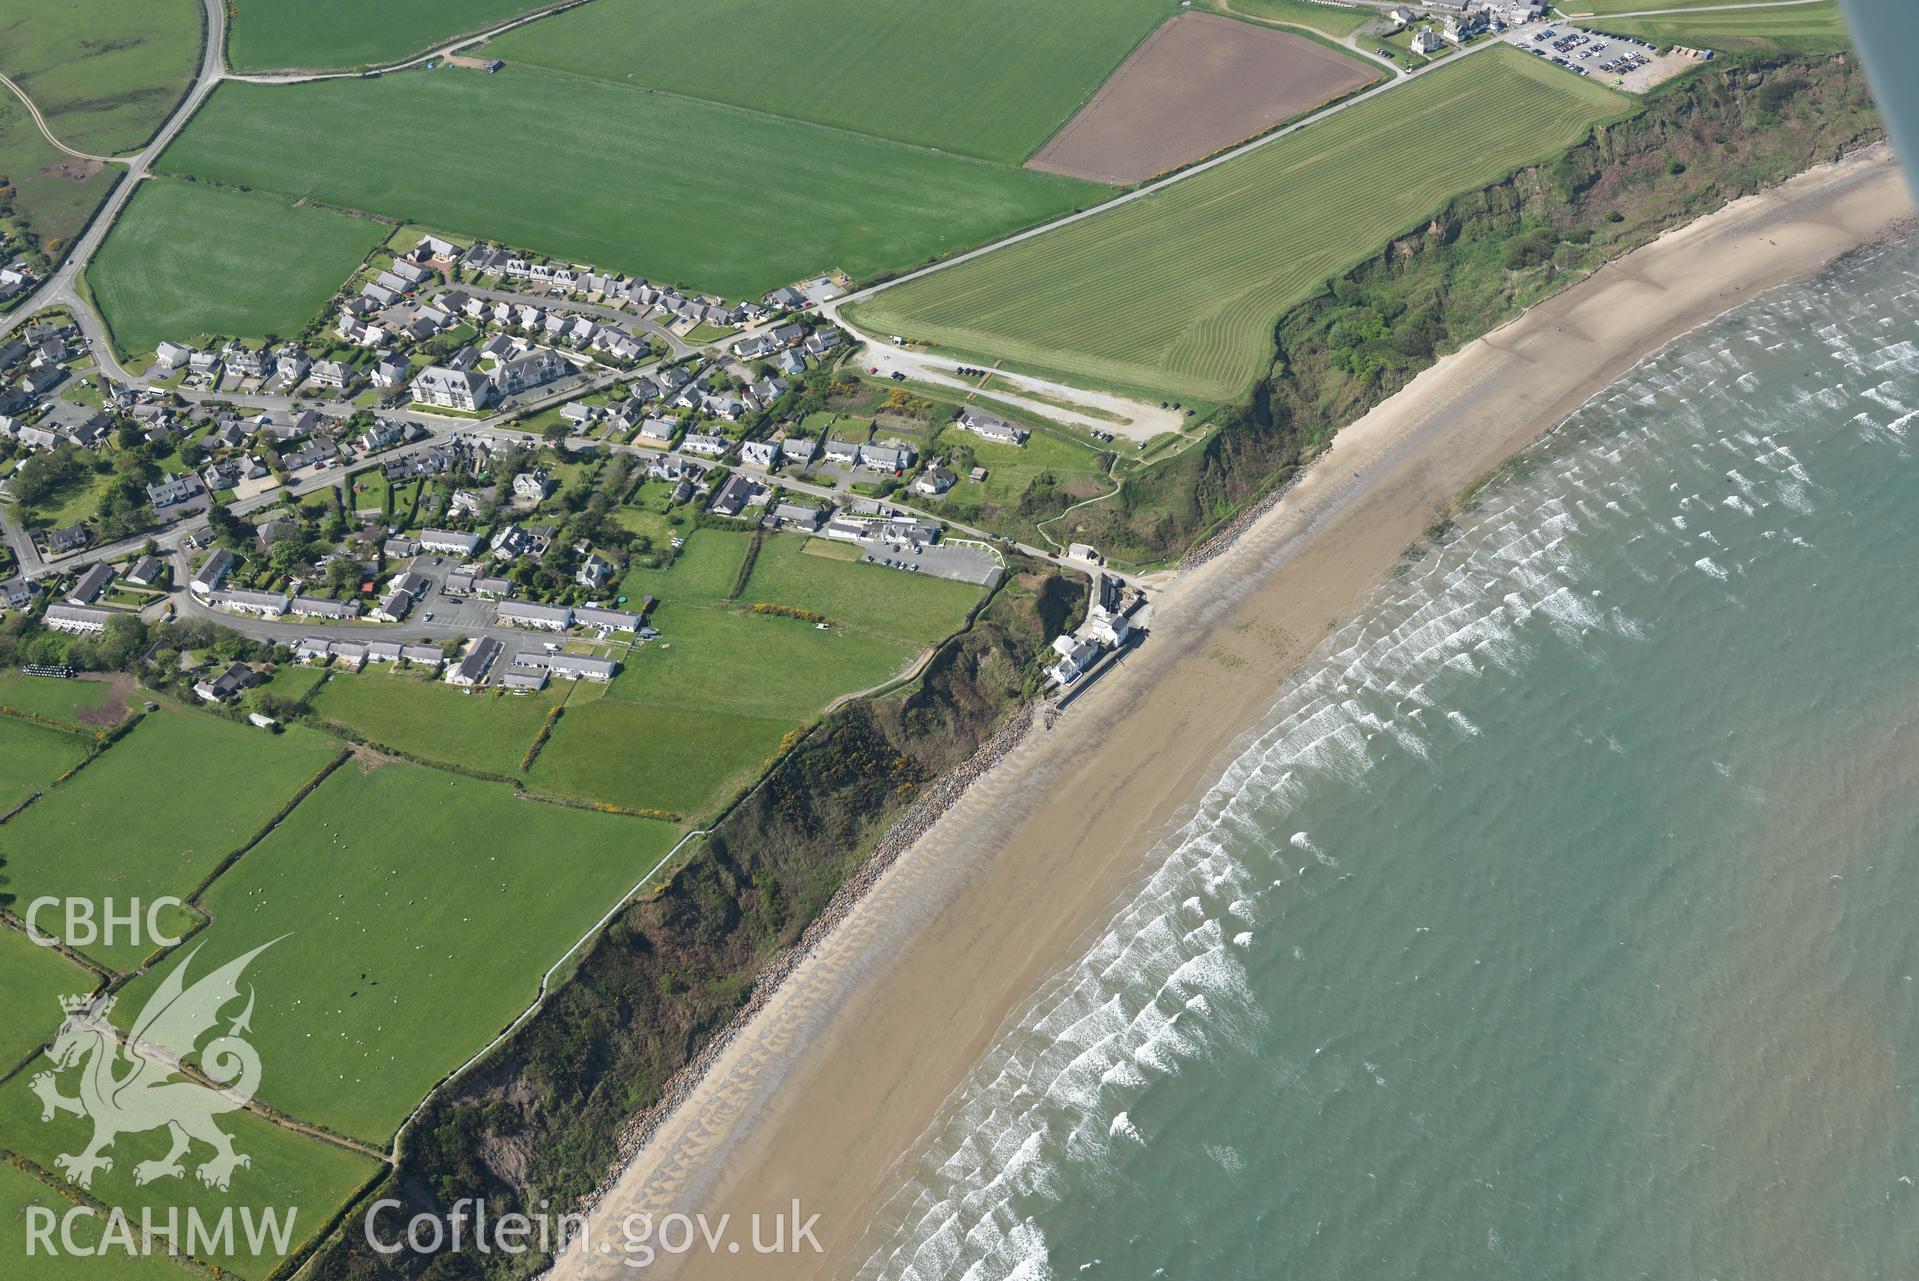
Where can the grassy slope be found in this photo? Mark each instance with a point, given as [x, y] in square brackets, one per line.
[105, 73]
[266, 34]
[1817, 28]
[1179, 290]
[56, 699]
[724, 199]
[289, 1170]
[188, 258]
[988, 78]
[32, 756]
[418, 910]
[158, 811]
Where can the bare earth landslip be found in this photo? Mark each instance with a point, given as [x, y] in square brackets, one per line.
[1197, 85]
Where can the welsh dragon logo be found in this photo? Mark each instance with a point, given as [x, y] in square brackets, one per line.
[132, 1085]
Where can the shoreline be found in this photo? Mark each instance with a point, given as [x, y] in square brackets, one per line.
[844, 1064]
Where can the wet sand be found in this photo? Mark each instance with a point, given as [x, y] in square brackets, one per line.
[831, 1083]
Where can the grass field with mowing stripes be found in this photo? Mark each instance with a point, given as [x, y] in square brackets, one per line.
[1812, 28]
[662, 186]
[1179, 290]
[987, 78]
[186, 258]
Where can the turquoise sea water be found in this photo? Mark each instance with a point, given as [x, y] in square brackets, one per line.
[1561, 920]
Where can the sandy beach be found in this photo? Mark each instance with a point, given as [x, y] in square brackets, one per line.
[844, 1067]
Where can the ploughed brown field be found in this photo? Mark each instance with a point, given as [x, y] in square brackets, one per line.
[1199, 84]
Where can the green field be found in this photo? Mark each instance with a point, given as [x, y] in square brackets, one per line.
[18, 1190]
[640, 756]
[987, 78]
[269, 34]
[54, 195]
[289, 1171]
[31, 757]
[649, 183]
[415, 912]
[435, 721]
[72, 701]
[1588, 8]
[34, 979]
[703, 573]
[104, 73]
[1179, 290]
[1813, 28]
[1332, 20]
[186, 258]
[158, 811]
[868, 598]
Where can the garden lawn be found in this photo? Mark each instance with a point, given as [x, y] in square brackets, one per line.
[32, 756]
[104, 73]
[289, 1171]
[987, 78]
[435, 721]
[158, 811]
[415, 911]
[913, 608]
[709, 196]
[19, 1189]
[34, 979]
[1337, 21]
[185, 259]
[1179, 291]
[265, 35]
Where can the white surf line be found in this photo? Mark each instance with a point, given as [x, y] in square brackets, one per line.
[546, 982]
[40, 122]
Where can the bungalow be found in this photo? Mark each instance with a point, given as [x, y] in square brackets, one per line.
[214, 571]
[615, 620]
[479, 658]
[400, 548]
[320, 607]
[760, 453]
[736, 495]
[790, 363]
[452, 389]
[523, 678]
[90, 585]
[463, 584]
[18, 593]
[146, 571]
[822, 341]
[76, 619]
[659, 430]
[786, 335]
[518, 613]
[799, 449]
[422, 656]
[785, 298]
[317, 454]
[265, 604]
[844, 452]
[707, 446]
[990, 427]
[394, 608]
[579, 413]
[447, 540]
[230, 682]
[798, 516]
[570, 667]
